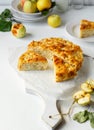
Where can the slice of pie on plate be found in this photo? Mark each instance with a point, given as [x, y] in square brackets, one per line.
[86, 28]
[31, 60]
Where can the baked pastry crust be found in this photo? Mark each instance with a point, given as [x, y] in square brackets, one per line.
[63, 70]
[31, 60]
[86, 28]
[67, 57]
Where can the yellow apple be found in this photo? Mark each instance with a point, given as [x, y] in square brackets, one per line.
[43, 4]
[90, 82]
[54, 20]
[82, 98]
[30, 7]
[86, 87]
[79, 94]
[85, 100]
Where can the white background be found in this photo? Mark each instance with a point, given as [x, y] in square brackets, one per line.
[22, 111]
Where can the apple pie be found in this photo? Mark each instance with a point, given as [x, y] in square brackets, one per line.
[86, 28]
[67, 57]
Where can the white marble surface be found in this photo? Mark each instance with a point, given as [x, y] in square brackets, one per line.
[19, 110]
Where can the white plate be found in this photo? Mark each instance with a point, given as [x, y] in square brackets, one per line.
[28, 20]
[15, 8]
[72, 29]
[26, 17]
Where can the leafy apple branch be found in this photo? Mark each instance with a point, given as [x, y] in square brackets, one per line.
[6, 19]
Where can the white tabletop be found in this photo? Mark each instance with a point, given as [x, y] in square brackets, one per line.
[19, 110]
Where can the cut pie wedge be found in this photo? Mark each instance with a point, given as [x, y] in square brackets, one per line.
[86, 28]
[31, 60]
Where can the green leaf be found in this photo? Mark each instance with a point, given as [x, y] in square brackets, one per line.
[91, 118]
[6, 19]
[92, 122]
[81, 116]
[5, 25]
[6, 14]
[53, 4]
[45, 12]
[91, 115]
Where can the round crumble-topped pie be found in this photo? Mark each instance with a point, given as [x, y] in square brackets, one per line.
[67, 57]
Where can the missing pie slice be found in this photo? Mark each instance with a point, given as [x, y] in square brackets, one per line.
[86, 28]
[31, 60]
